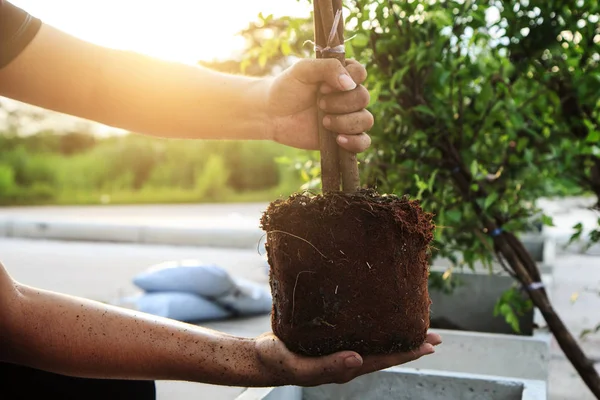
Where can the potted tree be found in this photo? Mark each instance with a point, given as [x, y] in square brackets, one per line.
[466, 128]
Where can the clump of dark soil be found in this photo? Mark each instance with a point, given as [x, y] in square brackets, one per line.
[349, 272]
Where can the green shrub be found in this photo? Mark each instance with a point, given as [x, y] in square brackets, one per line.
[7, 180]
[253, 165]
[29, 168]
[211, 183]
[115, 166]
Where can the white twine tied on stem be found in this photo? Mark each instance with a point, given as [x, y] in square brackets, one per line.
[330, 40]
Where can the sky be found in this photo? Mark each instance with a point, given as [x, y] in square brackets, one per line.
[179, 30]
[185, 31]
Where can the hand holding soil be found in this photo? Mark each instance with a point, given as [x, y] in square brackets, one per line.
[287, 368]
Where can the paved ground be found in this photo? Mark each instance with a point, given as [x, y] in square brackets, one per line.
[575, 274]
[103, 272]
[192, 215]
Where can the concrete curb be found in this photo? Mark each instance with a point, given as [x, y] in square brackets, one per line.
[410, 383]
[239, 238]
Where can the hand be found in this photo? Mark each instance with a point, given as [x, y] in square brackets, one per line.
[292, 104]
[288, 368]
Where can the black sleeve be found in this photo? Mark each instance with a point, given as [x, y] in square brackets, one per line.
[17, 29]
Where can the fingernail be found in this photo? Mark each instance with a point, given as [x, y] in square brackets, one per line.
[342, 139]
[346, 82]
[353, 362]
[322, 104]
[326, 121]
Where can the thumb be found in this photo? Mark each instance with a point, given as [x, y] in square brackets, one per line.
[330, 71]
[335, 368]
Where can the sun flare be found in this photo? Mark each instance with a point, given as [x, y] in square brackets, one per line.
[179, 30]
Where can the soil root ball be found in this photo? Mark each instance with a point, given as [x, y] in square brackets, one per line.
[349, 272]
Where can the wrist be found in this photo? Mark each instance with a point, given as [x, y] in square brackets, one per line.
[260, 104]
[274, 363]
[266, 376]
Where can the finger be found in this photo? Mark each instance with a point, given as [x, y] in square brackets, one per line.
[356, 71]
[345, 102]
[329, 71]
[376, 363]
[335, 368]
[433, 339]
[350, 124]
[354, 143]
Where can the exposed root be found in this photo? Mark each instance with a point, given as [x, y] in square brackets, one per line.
[258, 244]
[304, 240]
[294, 293]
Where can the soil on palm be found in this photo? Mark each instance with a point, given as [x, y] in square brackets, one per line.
[349, 272]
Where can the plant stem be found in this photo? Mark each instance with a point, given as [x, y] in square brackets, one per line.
[325, 11]
[330, 173]
[348, 162]
[527, 272]
[566, 341]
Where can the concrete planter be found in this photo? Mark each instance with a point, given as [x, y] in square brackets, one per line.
[470, 307]
[514, 356]
[411, 384]
[542, 248]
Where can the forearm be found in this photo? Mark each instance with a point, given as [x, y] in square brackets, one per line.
[135, 92]
[79, 337]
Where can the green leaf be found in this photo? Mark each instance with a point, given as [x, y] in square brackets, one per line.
[486, 93]
[547, 220]
[397, 78]
[360, 40]
[437, 234]
[454, 215]
[286, 49]
[424, 109]
[509, 316]
[578, 228]
[522, 143]
[474, 168]
[574, 237]
[431, 180]
[593, 136]
[492, 197]
[375, 93]
[513, 321]
[441, 18]
[587, 332]
[304, 175]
